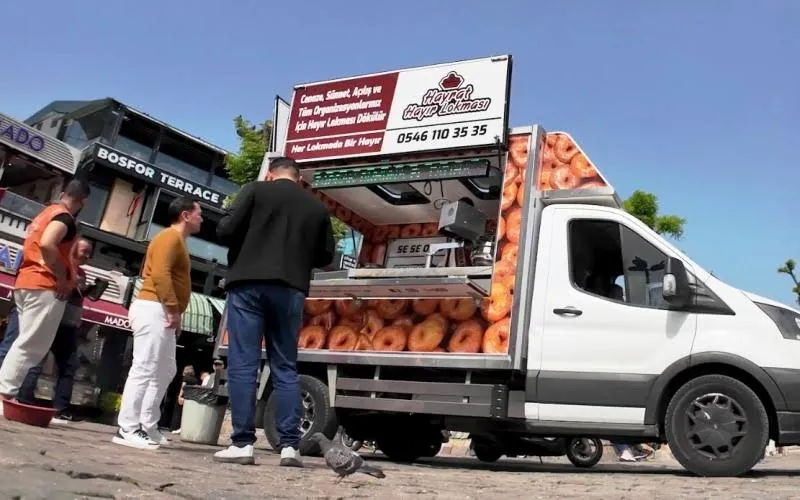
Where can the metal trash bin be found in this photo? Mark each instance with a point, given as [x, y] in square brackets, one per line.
[203, 414]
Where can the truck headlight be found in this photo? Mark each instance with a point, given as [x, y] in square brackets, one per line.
[787, 321]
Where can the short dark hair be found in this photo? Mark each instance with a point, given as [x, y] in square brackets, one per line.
[286, 164]
[77, 188]
[178, 206]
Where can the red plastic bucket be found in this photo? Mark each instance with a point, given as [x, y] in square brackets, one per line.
[27, 414]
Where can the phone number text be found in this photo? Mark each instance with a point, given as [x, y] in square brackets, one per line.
[453, 132]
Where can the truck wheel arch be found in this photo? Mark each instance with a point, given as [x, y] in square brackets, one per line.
[705, 363]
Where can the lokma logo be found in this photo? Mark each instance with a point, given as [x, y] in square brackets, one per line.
[451, 97]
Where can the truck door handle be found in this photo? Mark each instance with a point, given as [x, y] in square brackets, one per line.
[568, 311]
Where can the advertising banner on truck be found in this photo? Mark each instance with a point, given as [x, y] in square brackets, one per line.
[446, 106]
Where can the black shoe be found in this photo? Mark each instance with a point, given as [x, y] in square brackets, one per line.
[62, 417]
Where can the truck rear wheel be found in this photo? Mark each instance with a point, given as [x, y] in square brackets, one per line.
[584, 452]
[487, 453]
[399, 448]
[316, 415]
[716, 426]
[410, 443]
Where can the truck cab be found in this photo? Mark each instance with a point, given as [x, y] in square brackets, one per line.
[611, 332]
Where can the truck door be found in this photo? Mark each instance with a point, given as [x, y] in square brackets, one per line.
[606, 333]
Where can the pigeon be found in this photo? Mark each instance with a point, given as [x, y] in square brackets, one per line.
[344, 461]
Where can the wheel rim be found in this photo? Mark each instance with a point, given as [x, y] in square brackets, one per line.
[716, 424]
[308, 414]
[346, 440]
[584, 449]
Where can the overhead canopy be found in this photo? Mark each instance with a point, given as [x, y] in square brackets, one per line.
[198, 317]
[217, 304]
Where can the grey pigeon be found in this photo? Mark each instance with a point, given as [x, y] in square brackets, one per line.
[342, 460]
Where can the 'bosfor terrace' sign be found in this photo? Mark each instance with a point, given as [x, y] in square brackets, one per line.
[158, 176]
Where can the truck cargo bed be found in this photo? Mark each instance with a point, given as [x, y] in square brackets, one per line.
[416, 359]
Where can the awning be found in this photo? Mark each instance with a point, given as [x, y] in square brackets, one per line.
[198, 317]
[101, 312]
[6, 286]
[106, 313]
[217, 304]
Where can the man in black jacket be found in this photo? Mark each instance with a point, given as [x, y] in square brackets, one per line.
[276, 233]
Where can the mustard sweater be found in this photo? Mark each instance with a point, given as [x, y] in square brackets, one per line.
[166, 271]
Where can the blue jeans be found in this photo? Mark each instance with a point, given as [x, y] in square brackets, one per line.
[12, 331]
[65, 352]
[272, 312]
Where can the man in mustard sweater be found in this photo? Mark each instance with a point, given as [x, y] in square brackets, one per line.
[155, 318]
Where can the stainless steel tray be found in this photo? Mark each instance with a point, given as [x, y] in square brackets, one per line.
[417, 272]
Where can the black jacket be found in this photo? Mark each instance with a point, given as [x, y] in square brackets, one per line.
[276, 232]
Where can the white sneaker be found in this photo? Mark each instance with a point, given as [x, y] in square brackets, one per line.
[627, 456]
[157, 438]
[134, 439]
[176, 431]
[236, 455]
[291, 457]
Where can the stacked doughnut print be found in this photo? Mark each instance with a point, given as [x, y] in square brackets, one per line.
[429, 325]
[445, 325]
[565, 166]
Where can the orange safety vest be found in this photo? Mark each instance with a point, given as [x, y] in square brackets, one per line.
[33, 273]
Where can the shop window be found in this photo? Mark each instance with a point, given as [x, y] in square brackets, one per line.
[399, 194]
[137, 137]
[101, 181]
[221, 180]
[202, 244]
[223, 185]
[160, 215]
[149, 202]
[29, 186]
[86, 129]
[178, 157]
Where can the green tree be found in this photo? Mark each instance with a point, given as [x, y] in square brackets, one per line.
[789, 268]
[644, 206]
[243, 167]
[254, 141]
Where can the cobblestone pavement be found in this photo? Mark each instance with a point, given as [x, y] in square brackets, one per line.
[79, 461]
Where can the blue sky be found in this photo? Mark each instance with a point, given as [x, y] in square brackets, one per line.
[694, 101]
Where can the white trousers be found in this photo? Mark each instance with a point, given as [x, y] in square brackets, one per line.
[39, 315]
[152, 370]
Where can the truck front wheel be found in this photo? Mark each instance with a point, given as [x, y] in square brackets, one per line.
[411, 443]
[316, 415]
[716, 426]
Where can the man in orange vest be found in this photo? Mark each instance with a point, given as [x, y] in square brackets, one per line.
[45, 279]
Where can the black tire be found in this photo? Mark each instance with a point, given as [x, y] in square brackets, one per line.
[746, 416]
[347, 441]
[487, 453]
[580, 456]
[432, 449]
[398, 448]
[324, 417]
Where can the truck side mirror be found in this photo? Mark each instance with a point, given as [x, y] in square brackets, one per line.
[675, 284]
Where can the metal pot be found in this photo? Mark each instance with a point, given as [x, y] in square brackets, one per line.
[482, 253]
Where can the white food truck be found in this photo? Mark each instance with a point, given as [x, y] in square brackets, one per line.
[501, 290]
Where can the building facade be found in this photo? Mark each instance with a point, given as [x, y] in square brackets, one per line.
[136, 165]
